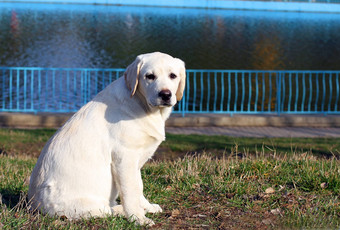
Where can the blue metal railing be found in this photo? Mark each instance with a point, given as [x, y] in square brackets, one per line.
[243, 91]
[207, 91]
[51, 89]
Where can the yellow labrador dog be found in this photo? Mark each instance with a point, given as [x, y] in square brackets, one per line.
[98, 154]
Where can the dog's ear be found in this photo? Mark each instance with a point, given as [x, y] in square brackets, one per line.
[131, 74]
[181, 86]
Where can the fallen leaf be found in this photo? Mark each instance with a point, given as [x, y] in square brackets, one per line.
[269, 190]
[324, 185]
[175, 213]
[267, 221]
[196, 186]
[230, 195]
[58, 223]
[27, 180]
[275, 211]
[168, 188]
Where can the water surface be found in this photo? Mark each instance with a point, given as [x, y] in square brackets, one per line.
[111, 36]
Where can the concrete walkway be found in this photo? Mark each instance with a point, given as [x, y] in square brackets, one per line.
[256, 125]
[263, 131]
[209, 124]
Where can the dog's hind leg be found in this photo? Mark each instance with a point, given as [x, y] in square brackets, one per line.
[86, 207]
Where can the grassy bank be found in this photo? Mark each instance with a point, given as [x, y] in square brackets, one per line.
[205, 192]
[257, 186]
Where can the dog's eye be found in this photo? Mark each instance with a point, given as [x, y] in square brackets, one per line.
[173, 76]
[150, 77]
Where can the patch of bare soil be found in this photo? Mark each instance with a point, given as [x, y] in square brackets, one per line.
[205, 217]
[203, 211]
[28, 149]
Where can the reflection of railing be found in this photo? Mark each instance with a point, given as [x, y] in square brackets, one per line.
[207, 91]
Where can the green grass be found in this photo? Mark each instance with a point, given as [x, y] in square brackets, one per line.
[204, 191]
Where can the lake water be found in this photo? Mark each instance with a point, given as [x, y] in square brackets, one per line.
[112, 36]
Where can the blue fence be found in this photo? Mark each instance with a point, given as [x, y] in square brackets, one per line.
[61, 90]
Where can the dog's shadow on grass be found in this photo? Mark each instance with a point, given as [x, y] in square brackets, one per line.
[12, 198]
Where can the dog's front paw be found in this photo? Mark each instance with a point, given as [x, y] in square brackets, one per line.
[153, 208]
[143, 220]
[118, 210]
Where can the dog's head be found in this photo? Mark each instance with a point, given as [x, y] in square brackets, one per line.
[159, 77]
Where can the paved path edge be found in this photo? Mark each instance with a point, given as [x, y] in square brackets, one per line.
[49, 120]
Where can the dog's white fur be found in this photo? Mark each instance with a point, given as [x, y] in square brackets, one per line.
[98, 154]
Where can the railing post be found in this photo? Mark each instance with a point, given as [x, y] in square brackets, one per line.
[278, 93]
[183, 105]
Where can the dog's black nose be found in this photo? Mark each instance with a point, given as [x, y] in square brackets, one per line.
[165, 94]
